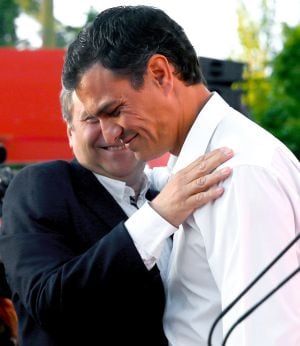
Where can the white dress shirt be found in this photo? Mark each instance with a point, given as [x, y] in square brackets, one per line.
[225, 244]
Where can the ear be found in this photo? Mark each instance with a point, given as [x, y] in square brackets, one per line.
[161, 71]
[70, 135]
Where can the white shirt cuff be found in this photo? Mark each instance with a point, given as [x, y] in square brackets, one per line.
[149, 231]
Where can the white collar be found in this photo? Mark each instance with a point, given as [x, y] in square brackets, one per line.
[119, 190]
[201, 132]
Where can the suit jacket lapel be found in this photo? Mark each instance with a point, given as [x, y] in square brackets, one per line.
[95, 196]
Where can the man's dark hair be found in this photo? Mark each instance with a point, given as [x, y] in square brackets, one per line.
[122, 39]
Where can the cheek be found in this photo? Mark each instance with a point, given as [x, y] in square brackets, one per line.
[80, 141]
[90, 134]
[145, 121]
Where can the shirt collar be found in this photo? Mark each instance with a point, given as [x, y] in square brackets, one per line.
[200, 133]
[120, 191]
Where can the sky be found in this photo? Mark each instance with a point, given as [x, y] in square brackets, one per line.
[211, 25]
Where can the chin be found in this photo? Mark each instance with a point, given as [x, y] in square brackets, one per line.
[147, 150]
[146, 156]
[141, 156]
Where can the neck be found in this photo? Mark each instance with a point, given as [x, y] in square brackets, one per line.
[135, 179]
[193, 99]
[136, 184]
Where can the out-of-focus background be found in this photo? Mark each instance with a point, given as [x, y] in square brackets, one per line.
[249, 51]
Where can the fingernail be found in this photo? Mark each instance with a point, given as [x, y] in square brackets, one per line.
[226, 170]
[228, 152]
[219, 190]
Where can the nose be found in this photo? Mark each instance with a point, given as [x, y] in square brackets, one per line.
[111, 131]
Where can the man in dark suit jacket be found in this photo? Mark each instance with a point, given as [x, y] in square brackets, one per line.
[75, 273]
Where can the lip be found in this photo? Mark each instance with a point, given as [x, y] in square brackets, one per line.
[127, 142]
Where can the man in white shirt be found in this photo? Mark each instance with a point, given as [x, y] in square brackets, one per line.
[135, 70]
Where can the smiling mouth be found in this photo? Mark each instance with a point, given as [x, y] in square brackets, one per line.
[120, 145]
[128, 141]
[114, 147]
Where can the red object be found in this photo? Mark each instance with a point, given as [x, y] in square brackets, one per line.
[160, 161]
[31, 125]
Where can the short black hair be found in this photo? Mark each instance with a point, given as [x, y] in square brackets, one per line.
[123, 38]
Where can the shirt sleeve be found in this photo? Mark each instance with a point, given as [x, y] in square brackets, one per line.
[253, 221]
[149, 232]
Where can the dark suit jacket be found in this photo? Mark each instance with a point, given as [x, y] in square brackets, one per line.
[75, 274]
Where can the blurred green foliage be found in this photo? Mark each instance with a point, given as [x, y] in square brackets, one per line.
[9, 10]
[271, 86]
[282, 106]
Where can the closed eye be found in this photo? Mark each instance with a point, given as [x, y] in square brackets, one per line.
[91, 119]
[114, 113]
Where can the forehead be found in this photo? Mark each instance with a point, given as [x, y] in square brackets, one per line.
[99, 84]
[100, 89]
[97, 78]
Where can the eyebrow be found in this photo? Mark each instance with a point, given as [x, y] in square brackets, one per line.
[104, 106]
